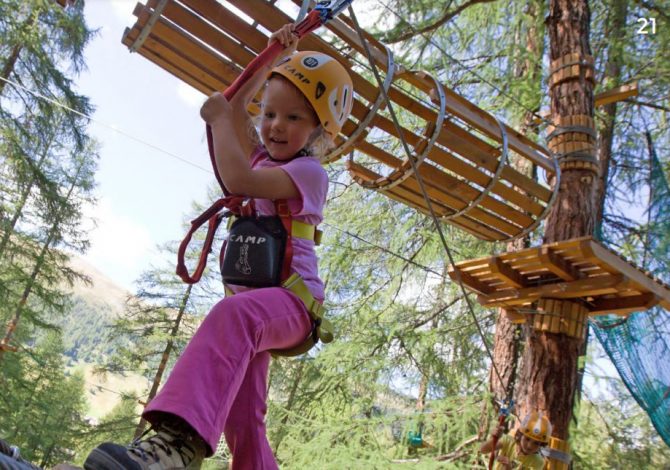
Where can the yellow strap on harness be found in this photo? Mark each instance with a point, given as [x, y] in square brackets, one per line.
[298, 229]
[323, 329]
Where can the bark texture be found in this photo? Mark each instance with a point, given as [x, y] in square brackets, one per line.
[548, 378]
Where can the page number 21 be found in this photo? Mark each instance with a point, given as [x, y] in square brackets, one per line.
[647, 26]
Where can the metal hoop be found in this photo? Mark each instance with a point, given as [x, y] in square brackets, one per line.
[362, 125]
[406, 173]
[494, 179]
[550, 202]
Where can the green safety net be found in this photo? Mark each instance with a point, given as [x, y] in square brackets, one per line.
[639, 345]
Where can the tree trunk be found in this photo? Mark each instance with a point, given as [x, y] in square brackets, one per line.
[53, 233]
[8, 66]
[14, 322]
[164, 358]
[9, 231]
[548, 376]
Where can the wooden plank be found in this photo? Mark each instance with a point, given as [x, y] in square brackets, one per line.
[229, 22]
[475, 223]
[202, 82]
[202, 59]
[562, 290]
[456, 104]
[623, 305]
[556, 264]
[512, 256]
[505, 273]
[453, 191]
[615, 94]
[205, 32]
[482, 154]
[471, 173]
[642, 282]
[473, 226]
[468, 280]
[436, 193]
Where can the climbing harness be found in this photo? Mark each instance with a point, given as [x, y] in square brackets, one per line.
[255, 253]
[259, 249]
[258, 253]
[502, 416]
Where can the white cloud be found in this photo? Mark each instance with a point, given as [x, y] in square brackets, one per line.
[120, 247]
[124, 10]
[190, 95]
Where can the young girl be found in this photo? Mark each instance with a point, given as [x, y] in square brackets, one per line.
[521, 451]
[219, 383]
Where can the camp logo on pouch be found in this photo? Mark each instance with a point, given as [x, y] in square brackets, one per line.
[254, 252]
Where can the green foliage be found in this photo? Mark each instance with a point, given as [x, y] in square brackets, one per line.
[616, 434]
[117, 426]
[42, 407]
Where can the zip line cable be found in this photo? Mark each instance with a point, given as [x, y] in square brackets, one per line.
[422, 186]
[104, 124]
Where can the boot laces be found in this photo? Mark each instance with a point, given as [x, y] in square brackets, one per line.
[165, 440]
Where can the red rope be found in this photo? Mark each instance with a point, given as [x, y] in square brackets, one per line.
[496, 437]
[311, 22]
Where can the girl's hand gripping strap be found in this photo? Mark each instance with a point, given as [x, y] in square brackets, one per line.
[213, 215]
[322, 12]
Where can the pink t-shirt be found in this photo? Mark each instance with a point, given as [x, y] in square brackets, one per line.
[311, 180]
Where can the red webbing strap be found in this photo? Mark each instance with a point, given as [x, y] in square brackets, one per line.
[233, 204]
[496, 437]
[281, 206]
[267, 56]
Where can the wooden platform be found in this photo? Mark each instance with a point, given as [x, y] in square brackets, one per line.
[206, 43]
[574, 269]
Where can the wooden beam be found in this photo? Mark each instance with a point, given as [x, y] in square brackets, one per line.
[619, 93]
[557, 265]
[612, 95]
[623, 305]
[642, 282]
[505, 273]
[470, 281]
[592, 286]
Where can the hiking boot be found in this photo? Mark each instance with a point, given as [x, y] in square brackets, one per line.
[13, 460]
[167, 449]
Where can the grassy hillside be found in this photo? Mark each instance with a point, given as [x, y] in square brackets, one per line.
[95, 306]
[85, 333]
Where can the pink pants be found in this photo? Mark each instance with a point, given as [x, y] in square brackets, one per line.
[219, 384]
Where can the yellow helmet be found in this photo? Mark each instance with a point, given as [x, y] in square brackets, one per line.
[324, 82]
[536, 426]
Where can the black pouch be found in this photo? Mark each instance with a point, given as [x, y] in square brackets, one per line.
[253, 255]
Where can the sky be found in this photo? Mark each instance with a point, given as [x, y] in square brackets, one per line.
[153, 153]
